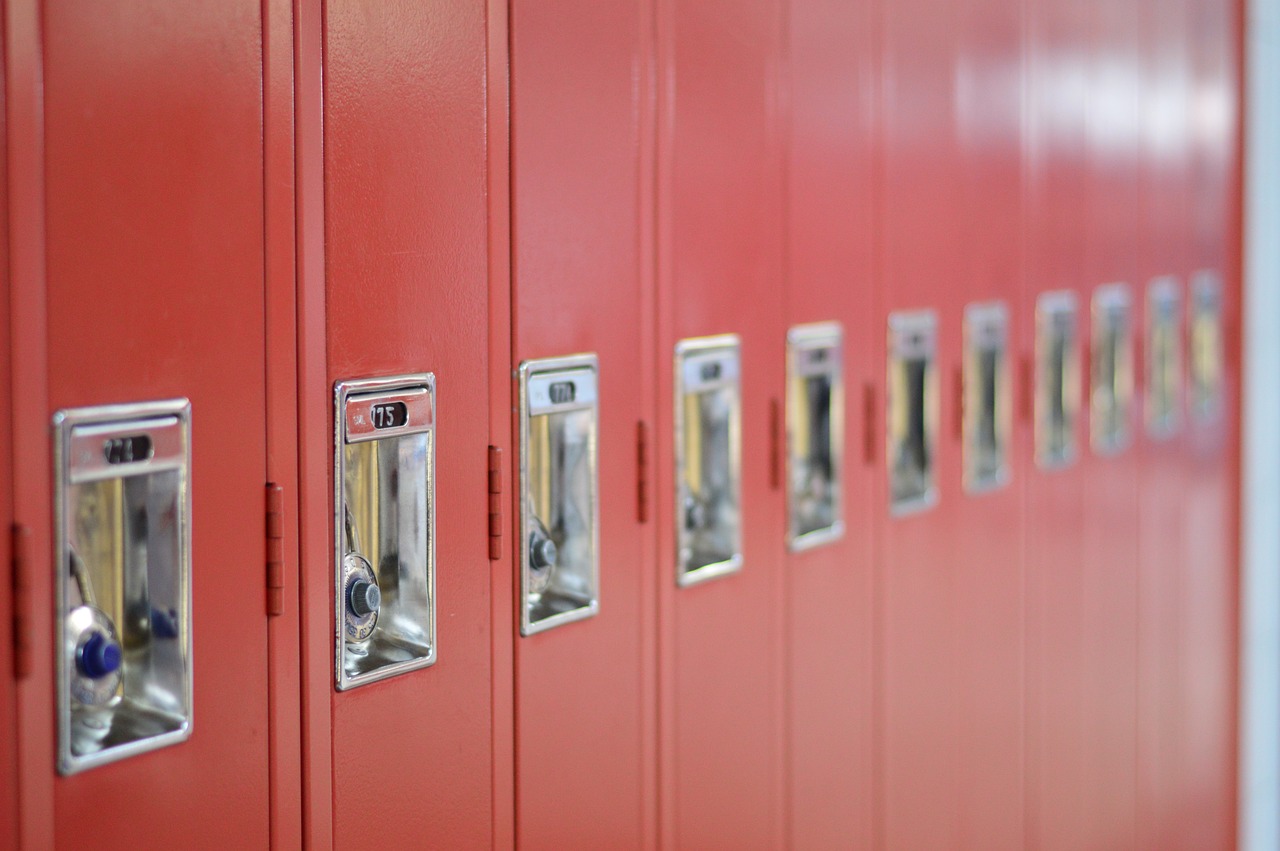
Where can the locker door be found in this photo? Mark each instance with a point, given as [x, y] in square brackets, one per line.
[1110, 462]
[1056, 217]
[8, 707]
[1161, 289]
[581, 174]
[920, 574]
[830, 278]
[407, 293]
[720, 273]
[984, 511]
[1209, 649]
[154, 257]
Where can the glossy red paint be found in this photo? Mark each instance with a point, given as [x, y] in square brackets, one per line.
[1208, 654]
[321, 190]
[502, 596]
[155, 260]
[8, 579]
[281, 367]
[830, 269]
[315, 429]
[920, 578]
[405, 172]
[1165, 199]
[24, 104]
[1111, 516]
[1056, 736]
[720, 270]
[985, 526]
[584, 691]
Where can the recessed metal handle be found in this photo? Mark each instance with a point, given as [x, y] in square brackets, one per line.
[123, 581]
[384, 476]
[708, 442]
[559, 484]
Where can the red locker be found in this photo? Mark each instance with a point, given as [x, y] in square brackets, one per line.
[1208, 653]
[1110, 462]
[8, 707]
[1161, 291]
[581, 172]
[719, 254]
[830, 277]
[406, 292]
[30, 801]
[983, 508]
[920, 632]
[1057, 736]
[152, 200]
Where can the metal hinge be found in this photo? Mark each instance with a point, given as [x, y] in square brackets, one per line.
[20, 538]
[495, 503]
[775, 444]
[870, 414]
[275, 550]
[957, 412]
[642, 472]
[1027, 389]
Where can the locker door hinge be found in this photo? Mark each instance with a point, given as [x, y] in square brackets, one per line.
[869, 416]
[495, 503]
[775, 444]
[275, 550]
[1027, 389]
[642, 472]
[20, 538]
[957, 412]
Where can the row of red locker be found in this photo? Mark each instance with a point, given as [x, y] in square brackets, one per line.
[326, 532]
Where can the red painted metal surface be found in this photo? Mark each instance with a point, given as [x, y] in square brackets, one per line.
[1056, 216]
[1208, 654]
[24, 103]
[502, 584]
[951, 579]
[1162, 563]
[830, 268]
[315, 429]
[985, 528]
[1109, 543]
[584, 691]
[154, 265]
[241, 202]
[407, 291]
[720, 267]
[8, 579]
[281, 368]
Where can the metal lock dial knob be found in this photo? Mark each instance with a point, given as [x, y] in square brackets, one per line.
[94, 656]
[361, 597]
[695, 513]
[98, 657]
[543, 553]
[364, 598]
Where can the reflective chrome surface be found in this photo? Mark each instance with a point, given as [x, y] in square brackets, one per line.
[1111, 370]
[987, 401]
[559, 492]
[1163, 357]
[1207, 346]
[123, 580]
[1057, 399]
[815, 433]
[384, 527]
[912, 408]
[708, 448]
